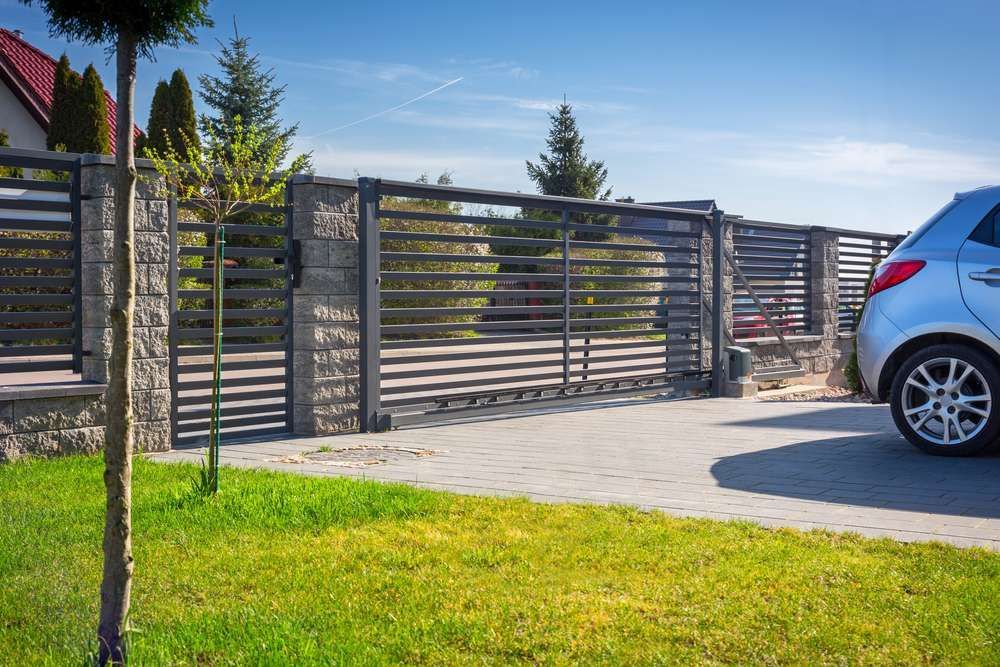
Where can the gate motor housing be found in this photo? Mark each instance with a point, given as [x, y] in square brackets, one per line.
[738, 372]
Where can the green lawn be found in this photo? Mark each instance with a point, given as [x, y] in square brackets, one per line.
[283, 569]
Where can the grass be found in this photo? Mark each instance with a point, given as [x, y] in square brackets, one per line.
[281, 569]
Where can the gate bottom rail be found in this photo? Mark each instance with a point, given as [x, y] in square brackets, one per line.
[529, 398]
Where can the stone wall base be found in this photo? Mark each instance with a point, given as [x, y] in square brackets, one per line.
[823, 359]
[51, 425]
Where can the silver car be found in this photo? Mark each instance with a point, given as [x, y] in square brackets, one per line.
[929, 337]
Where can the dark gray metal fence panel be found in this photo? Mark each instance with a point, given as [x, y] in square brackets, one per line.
[857, 252]
[775, 259]
[40, 262]
[588, 309]
[257, 324]
[718, 324]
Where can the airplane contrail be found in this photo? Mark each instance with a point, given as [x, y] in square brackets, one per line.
[395, 108]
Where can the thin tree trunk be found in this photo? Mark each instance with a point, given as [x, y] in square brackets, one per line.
[116, 586]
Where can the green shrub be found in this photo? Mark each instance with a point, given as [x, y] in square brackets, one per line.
[435, 227]
[852, 373]
[628, 303]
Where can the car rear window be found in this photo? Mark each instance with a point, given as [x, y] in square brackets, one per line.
[926, 227]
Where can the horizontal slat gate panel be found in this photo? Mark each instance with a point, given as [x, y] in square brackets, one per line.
[39, 269]
[256, 319]
[494, 302]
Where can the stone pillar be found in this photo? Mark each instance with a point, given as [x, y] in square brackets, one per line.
[151, 368]
[327, 383]
[706, 292]
[824, 268]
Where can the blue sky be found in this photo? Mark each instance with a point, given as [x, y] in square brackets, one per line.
[855, 114]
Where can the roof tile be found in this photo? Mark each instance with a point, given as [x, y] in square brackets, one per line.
[36, 71]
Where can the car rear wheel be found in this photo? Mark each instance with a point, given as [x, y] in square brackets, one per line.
[945, 399]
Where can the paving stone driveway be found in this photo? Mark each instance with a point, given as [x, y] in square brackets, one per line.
[837, 466]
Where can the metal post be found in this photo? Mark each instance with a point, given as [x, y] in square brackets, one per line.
[291, 266]
[368, 237]
[172, 332]
[566, 297]
[718, 264]
[698, 299]
[75, 226]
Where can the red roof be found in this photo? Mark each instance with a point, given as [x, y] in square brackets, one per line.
[30, 74]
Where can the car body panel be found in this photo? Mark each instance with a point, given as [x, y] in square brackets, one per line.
[982, 297]
[931, 301]
[877, 339]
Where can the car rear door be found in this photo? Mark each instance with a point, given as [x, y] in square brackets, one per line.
[979, 271]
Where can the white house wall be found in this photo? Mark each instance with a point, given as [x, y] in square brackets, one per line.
[23, 129]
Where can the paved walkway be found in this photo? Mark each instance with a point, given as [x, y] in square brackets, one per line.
[837, 466]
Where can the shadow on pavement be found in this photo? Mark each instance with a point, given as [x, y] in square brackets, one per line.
[878, 470]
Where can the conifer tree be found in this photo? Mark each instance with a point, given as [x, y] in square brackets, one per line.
[183, 125]
[95, 133]
[171, 118]
[63, 117]
[567, 171]
[247, 91]
[160, 120]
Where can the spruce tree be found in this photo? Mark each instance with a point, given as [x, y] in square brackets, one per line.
[160, 120]
[567, 171]
[63, 116]
[95, 134]
[246, 90]
[183, 125]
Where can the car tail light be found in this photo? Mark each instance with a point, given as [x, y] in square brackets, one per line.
[889, 274]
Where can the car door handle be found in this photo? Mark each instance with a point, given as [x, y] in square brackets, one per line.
[992, 275]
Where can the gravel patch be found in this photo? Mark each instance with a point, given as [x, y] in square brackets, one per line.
[823, 395]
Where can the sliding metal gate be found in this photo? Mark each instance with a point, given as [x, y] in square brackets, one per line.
[257, 332]
[478, 302]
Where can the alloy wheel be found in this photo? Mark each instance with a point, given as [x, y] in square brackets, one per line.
[946, 401]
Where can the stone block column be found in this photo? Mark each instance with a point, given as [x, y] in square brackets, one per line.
[326, 352]
[707, 282]
[151, 368]
[824, 284]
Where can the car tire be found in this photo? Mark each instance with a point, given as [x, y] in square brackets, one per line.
[931, 400]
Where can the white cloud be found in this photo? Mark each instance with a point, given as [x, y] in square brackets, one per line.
[471, 121]
[386, 72]
[491, 66]
[468, 168]
[542, 104]
[866, 163]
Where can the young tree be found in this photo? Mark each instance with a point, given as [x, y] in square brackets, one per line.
[63, 116]
[95, 135]
[567, 171]
[131, 29]
[224, 180]
[247, 91]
